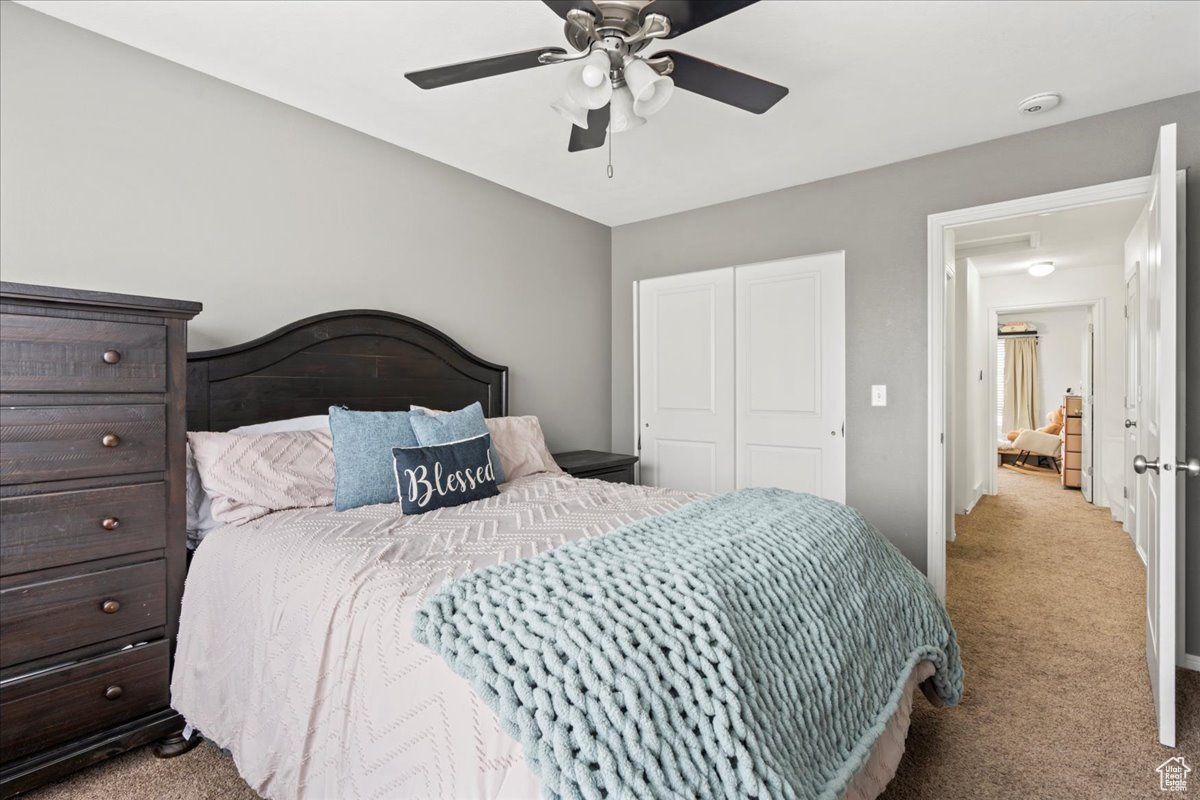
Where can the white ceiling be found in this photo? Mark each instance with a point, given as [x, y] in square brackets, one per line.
[1093, 236]
[871, 83]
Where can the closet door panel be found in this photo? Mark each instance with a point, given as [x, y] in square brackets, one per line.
[790, 344]
[685, 379]
[796, 468]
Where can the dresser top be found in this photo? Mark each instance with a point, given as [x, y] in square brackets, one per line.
[85, 297]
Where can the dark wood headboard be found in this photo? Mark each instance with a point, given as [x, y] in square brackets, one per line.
[365, 360]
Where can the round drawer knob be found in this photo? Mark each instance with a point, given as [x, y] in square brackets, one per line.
[113, 692]
[110, 523]
[110, 606]
[110, 440]
[112, 356]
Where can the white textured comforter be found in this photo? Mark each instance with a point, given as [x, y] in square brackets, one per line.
[296, 652]
[295, 644]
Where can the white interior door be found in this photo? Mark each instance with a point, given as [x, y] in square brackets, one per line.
[791, 375]
[1161, 426]
[1087, 423]
[685, 381]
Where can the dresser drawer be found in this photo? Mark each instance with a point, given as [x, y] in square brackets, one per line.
[51, 530]
[47, 443]
[53, 707]
[57, 354]
[40, 619]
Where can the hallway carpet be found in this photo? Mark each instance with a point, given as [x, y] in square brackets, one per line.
[1046, 593]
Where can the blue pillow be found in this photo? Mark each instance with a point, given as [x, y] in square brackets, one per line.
[455, 426]
[444, 475]
[362, 454]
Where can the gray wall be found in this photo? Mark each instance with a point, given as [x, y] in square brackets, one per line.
[879, 218]
[126, 172]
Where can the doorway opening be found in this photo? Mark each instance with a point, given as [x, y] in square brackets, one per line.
[1149, 384]
[1038, 371]
[982, 256]
[1041, 383]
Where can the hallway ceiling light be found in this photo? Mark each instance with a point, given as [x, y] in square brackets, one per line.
[1041, 269]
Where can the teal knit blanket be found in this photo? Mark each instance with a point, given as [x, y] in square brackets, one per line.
[752, 644]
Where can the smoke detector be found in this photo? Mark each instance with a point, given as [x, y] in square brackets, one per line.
[1039, 103]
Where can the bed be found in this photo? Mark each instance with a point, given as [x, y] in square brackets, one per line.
[296, 648]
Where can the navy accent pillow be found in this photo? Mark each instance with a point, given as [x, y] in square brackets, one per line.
[454, 426]
[362, 454]
[444, 475]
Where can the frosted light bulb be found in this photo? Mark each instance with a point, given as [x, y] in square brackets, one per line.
[592, 75]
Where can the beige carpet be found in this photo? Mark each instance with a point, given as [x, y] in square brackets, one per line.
[1046, 593]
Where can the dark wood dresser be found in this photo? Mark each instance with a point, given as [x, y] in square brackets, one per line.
[92, 525]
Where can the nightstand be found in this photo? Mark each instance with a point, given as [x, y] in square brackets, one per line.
[613, 467]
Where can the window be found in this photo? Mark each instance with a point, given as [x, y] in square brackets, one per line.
[1001, 346]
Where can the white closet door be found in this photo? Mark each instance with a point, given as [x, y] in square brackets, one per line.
[685, 381]
[791, 375]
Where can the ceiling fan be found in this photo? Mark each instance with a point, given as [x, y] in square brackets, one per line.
[614, 88]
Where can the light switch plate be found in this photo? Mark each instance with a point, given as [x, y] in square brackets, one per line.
[879, 394]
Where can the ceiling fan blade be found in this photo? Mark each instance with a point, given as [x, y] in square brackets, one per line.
[483, 68]
[723, 84]
[687, 15]
[563, 7]
[593, 135]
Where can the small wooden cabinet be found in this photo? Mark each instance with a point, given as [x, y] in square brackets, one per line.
[92, 525]
[598, 465]
[1072, 441]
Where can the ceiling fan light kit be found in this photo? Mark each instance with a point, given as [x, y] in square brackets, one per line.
[589, 84]
[571, 111]
[613, 87]
[651, 91]
[623, 117]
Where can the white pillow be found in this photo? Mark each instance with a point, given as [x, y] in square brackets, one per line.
[520, 443]
[200, 518]
[317, 422]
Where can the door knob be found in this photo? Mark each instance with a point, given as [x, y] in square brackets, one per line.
[1130, 423]
[1140, 464]
[1191, 467]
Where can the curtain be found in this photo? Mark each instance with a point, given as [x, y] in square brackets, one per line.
[1020, 383]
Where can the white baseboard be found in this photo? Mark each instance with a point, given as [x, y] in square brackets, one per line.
[976, 495]
[1191, 662]
[1117, 510]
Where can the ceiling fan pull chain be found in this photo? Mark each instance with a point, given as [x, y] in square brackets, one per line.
[609, 137]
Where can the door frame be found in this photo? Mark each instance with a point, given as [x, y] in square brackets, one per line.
[1099, 352]
[937, 429]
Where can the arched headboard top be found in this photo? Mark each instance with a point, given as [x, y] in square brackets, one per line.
[363, 359]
